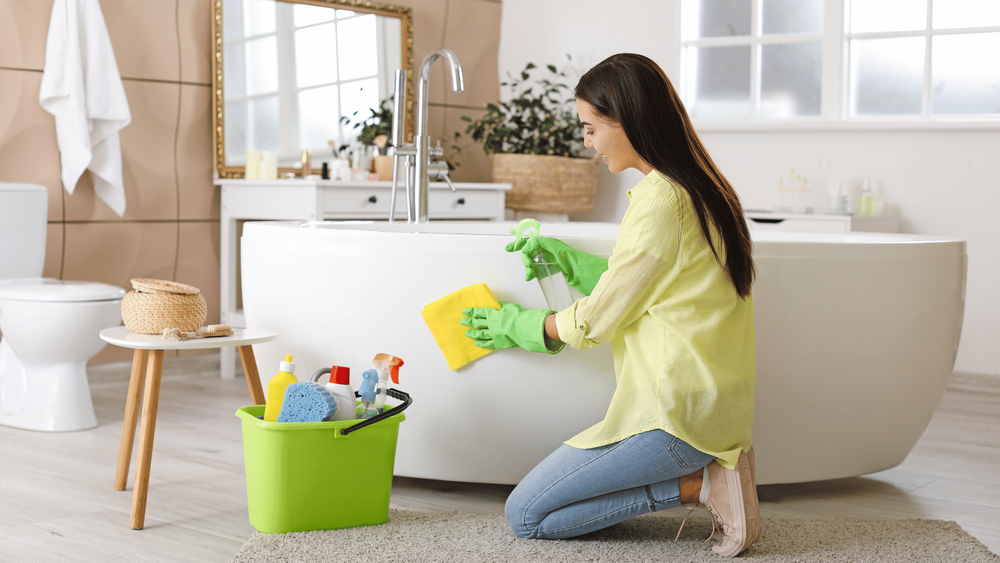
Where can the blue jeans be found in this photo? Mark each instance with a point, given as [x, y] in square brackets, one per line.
[573, 491]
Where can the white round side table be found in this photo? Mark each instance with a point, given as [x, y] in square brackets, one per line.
[147, 363]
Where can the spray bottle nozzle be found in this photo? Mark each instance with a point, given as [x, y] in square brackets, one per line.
[527, 224]
[387, 364]
[367, 390]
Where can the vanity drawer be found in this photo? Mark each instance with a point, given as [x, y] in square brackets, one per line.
[822, 223]
[359, 203]
[819, 224]
[373, 203]
[465, 204]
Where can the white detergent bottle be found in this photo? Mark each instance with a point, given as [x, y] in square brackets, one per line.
[340, 387]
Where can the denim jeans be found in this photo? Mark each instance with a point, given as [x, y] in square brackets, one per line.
[573, 491]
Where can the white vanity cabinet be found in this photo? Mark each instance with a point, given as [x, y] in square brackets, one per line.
[821, 223]
[313, 199]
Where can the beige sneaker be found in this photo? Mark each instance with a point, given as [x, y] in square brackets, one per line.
[731, 496]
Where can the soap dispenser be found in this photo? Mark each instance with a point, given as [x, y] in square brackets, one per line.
[276, 388]
[866, 203]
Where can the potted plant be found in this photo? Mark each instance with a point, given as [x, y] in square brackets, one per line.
[376, 130]
[535, 140]
[379, 123]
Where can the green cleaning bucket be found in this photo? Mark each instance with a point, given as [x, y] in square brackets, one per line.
[305, 476]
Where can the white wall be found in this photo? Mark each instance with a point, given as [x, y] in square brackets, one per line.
[939, 182]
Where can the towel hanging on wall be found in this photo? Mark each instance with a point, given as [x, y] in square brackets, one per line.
[81, 87]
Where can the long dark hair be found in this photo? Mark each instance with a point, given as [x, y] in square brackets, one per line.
[633, 91]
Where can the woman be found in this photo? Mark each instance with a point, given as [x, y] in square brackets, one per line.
[676, 305]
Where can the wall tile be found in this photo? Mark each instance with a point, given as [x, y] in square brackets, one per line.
[198, 262]
[53, 251]
[198, 197]
[23, 29]
[194, 19]
[428, 27]
[473, 33]
[115, 253]
[144, 37]
[147, 160]
[473, 164]
[28, 149]
[111, 354]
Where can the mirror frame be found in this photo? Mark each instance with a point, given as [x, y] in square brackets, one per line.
[405, 14]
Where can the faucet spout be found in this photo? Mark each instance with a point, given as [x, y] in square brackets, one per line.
[454, 67]
[424, 152]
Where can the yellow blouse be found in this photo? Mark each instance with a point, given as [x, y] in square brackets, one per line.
[683, 340]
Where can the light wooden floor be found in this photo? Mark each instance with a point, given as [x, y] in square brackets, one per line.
[57, 502]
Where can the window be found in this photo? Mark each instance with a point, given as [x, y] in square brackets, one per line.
[924, 57]
[888, 59]
[311, 65]
[753, 58]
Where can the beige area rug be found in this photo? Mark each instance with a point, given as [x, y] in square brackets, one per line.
[417, 537]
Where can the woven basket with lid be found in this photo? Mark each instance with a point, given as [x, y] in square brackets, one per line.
[548, 184]
[155, 305]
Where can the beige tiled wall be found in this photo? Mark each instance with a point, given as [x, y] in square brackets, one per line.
[170, 229]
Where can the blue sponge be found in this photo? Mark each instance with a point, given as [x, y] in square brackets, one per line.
[306, 401]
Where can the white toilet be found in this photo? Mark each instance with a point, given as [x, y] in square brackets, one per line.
[49, 327]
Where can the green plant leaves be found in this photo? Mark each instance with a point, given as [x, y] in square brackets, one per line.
[378, 123]
[538, 119]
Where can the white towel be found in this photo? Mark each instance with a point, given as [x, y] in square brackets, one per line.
[81, 87]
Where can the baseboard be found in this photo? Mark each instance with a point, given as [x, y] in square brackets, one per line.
[978, 382]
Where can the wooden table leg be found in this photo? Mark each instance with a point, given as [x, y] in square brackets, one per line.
[253, 377]
[132, 403]
[151, 398]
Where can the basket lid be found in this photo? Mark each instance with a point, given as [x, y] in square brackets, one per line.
[53, 290]
[150, 285]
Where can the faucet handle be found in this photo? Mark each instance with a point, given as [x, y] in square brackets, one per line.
[448, 181]
[436, 152]
[439, 171]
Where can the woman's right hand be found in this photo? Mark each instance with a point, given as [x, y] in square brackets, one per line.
[582, 269]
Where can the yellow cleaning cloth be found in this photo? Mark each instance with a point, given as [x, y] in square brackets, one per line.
[442, 318]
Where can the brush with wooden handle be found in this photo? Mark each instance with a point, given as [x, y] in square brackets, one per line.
[210, 331]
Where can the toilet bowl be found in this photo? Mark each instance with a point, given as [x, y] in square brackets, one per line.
[49, 330]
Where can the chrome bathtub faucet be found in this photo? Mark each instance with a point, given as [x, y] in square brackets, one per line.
[418, 168]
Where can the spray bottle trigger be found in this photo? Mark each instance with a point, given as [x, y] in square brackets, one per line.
[526, 224]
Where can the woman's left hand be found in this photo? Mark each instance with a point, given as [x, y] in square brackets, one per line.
[509, 326]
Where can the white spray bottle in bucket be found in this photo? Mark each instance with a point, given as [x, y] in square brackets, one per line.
[388, 368]
[558, 294]
[375, 388]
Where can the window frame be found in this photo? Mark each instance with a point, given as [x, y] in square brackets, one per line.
[835, 78]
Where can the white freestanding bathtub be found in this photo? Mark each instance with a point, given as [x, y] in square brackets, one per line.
[856, 339]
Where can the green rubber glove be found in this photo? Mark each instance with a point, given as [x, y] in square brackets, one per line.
[582, 269]
[510, 325]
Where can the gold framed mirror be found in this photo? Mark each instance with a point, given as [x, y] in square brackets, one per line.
[284, 72]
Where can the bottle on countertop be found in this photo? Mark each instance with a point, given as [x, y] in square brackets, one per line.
[866, 203]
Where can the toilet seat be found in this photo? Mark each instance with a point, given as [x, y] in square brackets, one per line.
[51, 290]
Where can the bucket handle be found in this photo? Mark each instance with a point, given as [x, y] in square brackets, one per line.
[395, 394]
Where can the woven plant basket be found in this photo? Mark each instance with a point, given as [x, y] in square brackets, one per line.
[547, 184]
[158, 304]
